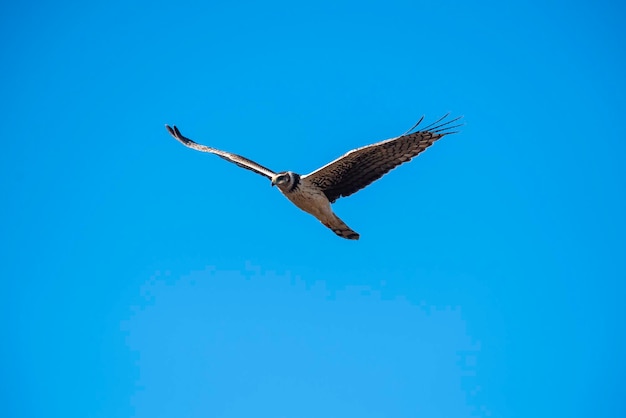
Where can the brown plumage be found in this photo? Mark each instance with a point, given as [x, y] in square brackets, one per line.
[344, 176]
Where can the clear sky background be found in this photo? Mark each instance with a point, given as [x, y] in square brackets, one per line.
[141, 278]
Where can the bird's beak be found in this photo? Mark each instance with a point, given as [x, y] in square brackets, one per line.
[273, 183]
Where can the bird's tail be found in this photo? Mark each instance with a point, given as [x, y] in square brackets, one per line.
[340, 228]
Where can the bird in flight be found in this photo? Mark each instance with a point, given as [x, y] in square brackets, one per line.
[314, 192]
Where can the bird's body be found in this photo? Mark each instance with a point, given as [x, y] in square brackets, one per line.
[310, 198]
[314, 192]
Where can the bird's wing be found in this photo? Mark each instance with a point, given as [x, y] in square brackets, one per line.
[242, 162]
[362, 166]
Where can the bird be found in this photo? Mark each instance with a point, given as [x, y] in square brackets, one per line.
[315, 192]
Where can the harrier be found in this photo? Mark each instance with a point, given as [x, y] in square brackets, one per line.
[314, 192]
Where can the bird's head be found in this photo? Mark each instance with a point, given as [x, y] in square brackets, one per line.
[286, 181]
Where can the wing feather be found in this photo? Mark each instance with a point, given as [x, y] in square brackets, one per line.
[362, 166]
[242, 162]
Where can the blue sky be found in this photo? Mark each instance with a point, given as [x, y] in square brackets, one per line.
[144, 279]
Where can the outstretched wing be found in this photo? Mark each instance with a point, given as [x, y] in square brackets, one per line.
[242, 162]
[362, 166]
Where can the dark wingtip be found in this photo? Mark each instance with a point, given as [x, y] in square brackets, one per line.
[444, 128]
[173, 130]
[441, 126]
[414, 126]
